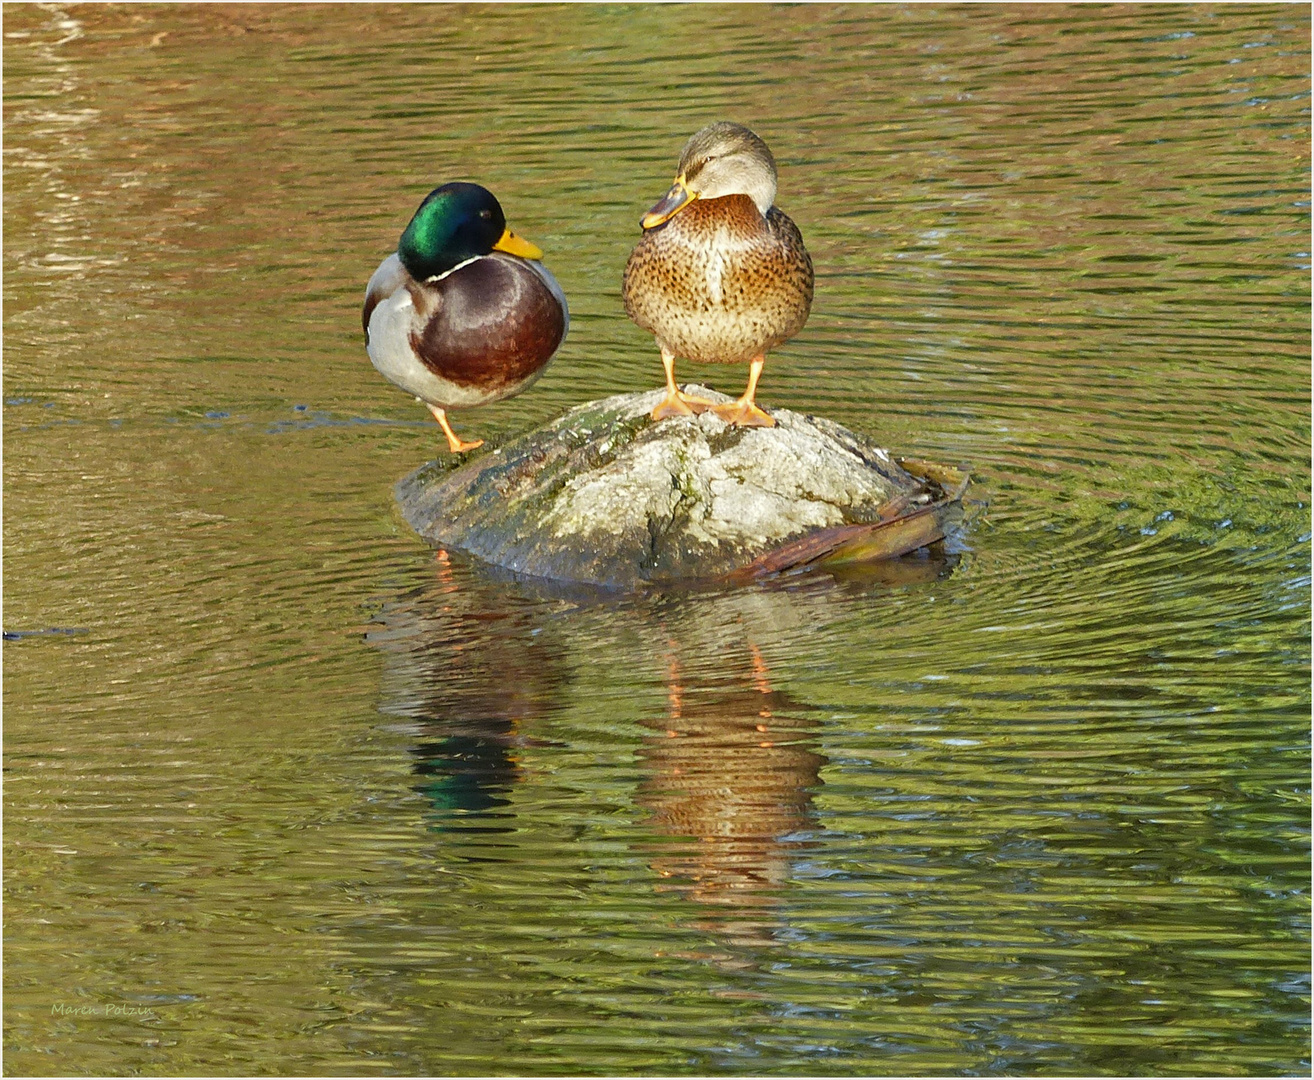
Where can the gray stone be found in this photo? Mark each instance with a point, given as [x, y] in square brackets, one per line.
[604, 496]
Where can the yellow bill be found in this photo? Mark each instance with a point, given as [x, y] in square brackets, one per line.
[514, 245]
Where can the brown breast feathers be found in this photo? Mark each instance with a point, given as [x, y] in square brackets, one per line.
[718, 283]
[490, 324]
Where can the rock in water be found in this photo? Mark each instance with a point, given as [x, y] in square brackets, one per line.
[604, 496]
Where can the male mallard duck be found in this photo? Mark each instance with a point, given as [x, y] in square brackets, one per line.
[464, 313]
[720, 275]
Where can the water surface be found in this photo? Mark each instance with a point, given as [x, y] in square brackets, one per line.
[287, 791]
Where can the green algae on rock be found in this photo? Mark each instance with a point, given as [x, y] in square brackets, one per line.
[605, 496]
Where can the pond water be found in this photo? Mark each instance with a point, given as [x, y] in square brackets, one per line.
[288, 791]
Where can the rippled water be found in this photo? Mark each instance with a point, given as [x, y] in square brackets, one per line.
[286, 791]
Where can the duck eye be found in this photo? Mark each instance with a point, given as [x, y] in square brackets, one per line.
[485, 214]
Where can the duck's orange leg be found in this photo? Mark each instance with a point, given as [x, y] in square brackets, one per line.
[457, 444]
[676, 402]
[743, 412]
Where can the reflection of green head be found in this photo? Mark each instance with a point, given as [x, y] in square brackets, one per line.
[457, 221]
[465, 772]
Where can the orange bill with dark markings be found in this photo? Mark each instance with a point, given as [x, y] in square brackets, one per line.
[671, 204]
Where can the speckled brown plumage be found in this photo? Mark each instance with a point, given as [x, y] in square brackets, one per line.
[718, 283]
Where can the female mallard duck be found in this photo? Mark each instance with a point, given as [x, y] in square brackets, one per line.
[464, 313]
[720, 275]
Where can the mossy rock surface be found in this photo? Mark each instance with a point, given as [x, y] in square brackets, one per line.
[604, 496]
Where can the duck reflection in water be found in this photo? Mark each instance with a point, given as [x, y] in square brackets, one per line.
[733, 764]
[469, 672]
[731, 774]
[480, 668]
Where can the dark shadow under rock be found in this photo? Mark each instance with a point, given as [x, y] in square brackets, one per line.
[604, 496]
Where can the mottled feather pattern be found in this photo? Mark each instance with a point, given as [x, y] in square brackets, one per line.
[718, 283]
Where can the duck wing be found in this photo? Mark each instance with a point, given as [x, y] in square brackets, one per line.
[386, 280]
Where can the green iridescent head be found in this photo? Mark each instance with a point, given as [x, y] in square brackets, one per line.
[456, 222]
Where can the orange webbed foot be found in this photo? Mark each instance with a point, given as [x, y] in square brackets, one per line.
[743, 414]
[680, 404]
[697, 404]
[677, 402]
[670, 405]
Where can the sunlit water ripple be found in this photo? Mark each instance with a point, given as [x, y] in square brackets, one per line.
[287, 791]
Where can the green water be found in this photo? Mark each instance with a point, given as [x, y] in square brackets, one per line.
[288, 792]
